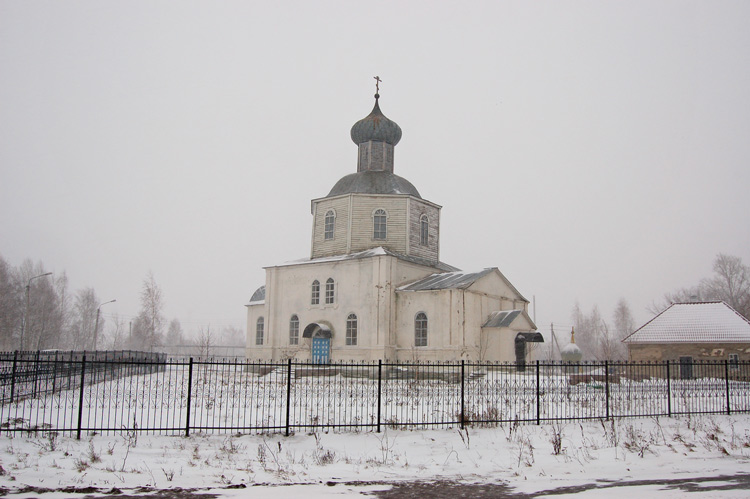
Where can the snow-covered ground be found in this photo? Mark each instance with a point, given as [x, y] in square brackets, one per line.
[528, 458]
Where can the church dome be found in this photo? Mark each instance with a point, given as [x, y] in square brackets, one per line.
[373, 182]
[376, 127]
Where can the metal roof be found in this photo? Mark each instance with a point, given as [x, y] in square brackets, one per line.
[373, 182]
[502, 318]
[375, 126]
[259, 296]
[379, 251]
[698, 322]
[448, 280]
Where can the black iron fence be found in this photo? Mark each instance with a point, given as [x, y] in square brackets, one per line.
[116, 392]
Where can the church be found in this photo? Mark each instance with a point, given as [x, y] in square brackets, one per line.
[373, 286]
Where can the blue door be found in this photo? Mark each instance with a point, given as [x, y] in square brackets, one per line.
[321, 350]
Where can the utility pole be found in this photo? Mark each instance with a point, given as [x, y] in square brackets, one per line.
[96, 324]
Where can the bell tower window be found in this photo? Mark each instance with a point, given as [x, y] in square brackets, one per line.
[379, 227]
[329, 224]
[424, 230]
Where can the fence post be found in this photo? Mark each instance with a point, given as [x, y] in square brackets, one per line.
[538, 397]
[380, 378]
[726, 378]
[80, 396]
[669, 392]
[36, 375]
[189, 396]
[606, 386]
[288, 393]
[13, 376]
[462, 394]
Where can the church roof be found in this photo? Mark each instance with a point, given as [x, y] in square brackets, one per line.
[697, 322]
[259, 296]
[456, 280]
[379, 251]
[449, 280]
[373, 182]
[502, 318]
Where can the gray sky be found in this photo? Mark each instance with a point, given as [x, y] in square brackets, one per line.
[590, 150]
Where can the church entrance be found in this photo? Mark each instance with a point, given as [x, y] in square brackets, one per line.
[321, 341]
[321, 350]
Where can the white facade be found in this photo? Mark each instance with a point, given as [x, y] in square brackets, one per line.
[373, 287]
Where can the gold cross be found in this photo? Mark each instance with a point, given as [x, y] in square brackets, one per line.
[377, 83]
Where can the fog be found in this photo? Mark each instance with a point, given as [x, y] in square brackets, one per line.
[589, 150]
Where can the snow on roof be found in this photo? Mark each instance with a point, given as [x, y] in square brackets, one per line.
[379, 251]
[448, 280]
[502, 318]
[698, 322]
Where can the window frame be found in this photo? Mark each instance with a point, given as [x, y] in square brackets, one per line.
[260, 325]
[330, 291]
[352, 329]
[315, 293]
[420, 329]
[424, 230]
[329, 225]
[294, 330]
[380, 225]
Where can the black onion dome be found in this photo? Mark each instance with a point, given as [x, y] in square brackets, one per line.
[376, 127]
[373, 182]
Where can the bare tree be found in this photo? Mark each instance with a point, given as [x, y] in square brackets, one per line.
[149, 324]
[175, 335]
[730, 283]
[11, 307]
[205, 342]
[81, 334]
[115, 337]
[624, 325]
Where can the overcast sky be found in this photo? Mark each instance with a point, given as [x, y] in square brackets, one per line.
[589, 150]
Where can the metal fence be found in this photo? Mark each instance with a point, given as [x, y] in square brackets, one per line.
[110, 393]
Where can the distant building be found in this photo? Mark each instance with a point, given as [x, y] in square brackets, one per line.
[687, 332]
[373, 286]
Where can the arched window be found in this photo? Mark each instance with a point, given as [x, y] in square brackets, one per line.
[330, 219]
[420, 330]
[351, 330]
[379, 229]
[294, 330]
[259, 331]
[330, 290]
[424, 227]
[315, 296]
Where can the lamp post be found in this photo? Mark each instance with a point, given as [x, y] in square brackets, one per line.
[26, 313]
[96, 324]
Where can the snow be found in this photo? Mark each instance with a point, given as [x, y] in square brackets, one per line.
[699, 322]
[528, 458]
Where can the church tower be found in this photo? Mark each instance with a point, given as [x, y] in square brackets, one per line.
[375, 207]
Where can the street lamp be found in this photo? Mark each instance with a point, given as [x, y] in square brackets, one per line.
[96, 324]
[26, 313]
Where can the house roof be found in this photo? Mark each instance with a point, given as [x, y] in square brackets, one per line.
[697, 322]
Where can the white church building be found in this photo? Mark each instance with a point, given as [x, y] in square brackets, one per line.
[373, 286]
